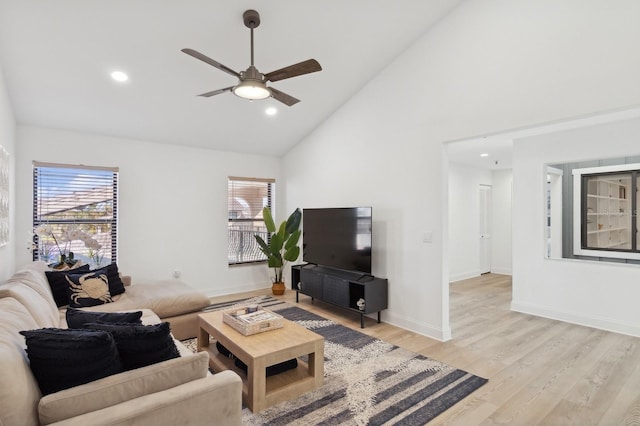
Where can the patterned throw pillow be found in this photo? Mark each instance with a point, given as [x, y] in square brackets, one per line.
[116, 286]
[64, 358]
[77, 318]
[88, 289]
[60, 286]
[140, 345]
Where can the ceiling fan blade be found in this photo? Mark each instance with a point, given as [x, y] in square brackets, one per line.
[211, 62]
[283, 97]
[305, 67]
[216, 92]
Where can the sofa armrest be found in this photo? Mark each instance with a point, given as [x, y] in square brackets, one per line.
[126, 280]
[122, 387]
[214, 399]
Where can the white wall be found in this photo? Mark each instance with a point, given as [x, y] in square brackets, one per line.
[7, 140]
[173, 203]
[464, 219]
[502, 192]
[597, 294]
[491, 65]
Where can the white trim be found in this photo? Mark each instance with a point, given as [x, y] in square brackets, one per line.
[428, 330]
[607, 169]
[601, 323]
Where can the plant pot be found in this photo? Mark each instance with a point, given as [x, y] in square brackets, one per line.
[277, 289]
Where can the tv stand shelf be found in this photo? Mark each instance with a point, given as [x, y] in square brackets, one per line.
[341, 288]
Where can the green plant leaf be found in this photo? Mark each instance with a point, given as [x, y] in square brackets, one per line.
[263, 246]
[292, 240]
[293, 223]
[276, 244]
[268, 220]
[282, 231]
[274, 262]
[292, 254]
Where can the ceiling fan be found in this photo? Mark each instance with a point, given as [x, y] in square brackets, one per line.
[252, 84]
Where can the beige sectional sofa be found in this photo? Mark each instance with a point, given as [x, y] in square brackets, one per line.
[177, 391]
[171, 300]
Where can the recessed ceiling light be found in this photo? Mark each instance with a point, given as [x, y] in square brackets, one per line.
[119, 76]
[484, 154]
[271, 111]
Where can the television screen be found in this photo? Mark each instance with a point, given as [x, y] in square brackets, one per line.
[338, 238]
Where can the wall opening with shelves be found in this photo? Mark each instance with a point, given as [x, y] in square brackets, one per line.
[598, 210]
[606, 221]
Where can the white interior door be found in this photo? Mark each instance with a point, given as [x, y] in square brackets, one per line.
[485, 229]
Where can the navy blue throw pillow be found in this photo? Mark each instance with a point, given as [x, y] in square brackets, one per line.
[77, 318]
[64, 358]
[60, 286]
[141, 345]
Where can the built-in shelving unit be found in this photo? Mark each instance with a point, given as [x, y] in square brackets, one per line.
[605, 219]
[608, 215]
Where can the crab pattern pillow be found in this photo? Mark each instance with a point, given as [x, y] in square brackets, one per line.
[89, 289]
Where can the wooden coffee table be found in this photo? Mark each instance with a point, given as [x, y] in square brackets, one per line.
[261, 350]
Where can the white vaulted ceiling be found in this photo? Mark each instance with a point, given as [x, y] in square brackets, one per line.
[57, 56]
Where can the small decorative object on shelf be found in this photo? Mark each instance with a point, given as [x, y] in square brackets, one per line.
[360, 303]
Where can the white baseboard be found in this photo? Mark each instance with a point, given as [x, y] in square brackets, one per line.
[424, 329]
[579, 319]
[225, 291]
[467, 275]
[502, 271]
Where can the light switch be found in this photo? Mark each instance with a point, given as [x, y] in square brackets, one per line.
[427, 237]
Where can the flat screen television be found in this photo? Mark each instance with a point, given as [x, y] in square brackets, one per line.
[338, 238]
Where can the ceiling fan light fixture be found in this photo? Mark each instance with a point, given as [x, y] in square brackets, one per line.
[252, 89]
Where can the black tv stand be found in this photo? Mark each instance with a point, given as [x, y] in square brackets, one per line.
[341, 288]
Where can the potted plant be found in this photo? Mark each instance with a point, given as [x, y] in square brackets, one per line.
[282, 246]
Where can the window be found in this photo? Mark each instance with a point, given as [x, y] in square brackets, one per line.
[246, 199]
[605, 208]
[75, 200]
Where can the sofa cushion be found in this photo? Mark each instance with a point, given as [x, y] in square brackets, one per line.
[39, 308]
[167, 298]
[59, 284]
[19, 392]
[88, 289]
[77, 318]
[35, 279]
[63, 358]
[140, 345]
[123, 387]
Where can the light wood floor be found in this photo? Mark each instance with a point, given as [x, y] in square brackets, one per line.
[540, 371]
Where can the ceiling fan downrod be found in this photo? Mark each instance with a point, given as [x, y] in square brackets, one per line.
[251, 20]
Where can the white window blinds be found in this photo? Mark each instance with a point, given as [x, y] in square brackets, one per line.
[246, 199]
[79, 207]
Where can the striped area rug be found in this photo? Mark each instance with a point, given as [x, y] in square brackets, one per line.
[366, 381]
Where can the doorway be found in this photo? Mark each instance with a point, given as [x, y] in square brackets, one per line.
[485, 229]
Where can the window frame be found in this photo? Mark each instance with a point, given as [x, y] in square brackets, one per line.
[255, 256]
[581, 211]
[38, 218]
